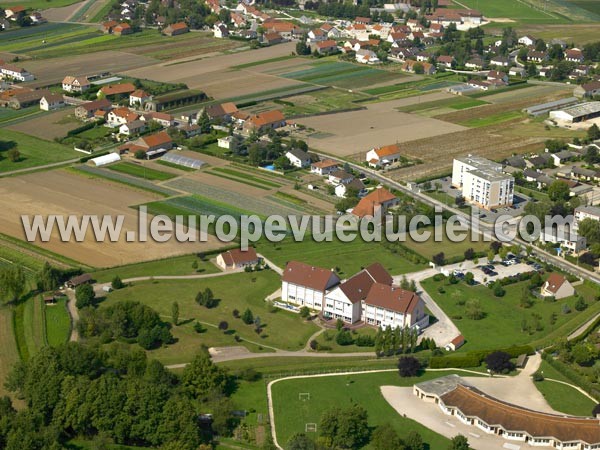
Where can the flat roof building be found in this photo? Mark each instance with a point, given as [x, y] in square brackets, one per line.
[577, 113]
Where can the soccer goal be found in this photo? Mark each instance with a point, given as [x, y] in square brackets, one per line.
[304, 396]
[310, 428]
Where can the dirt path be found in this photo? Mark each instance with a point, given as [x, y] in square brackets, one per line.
[74, 314]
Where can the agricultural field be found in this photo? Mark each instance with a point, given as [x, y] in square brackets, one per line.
[40, 4]
[58, 323]
[560, 397]
[59, 191]
[49, 126]
[33, 324]
[580, 33]
[502, 324]
[33, 151]
[141, 171]
[9, 115]
[179, 265]
[292, 414]
[436, 108]
[516, 10]
[281, 329]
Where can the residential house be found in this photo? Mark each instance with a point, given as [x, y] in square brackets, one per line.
[51, 101]
[517, 72]
[536, 56]
[262, 122]
[590, 89]
[222, 112]
[122, 29]
[574, 55]
[363, 20]
[326, 47]
[120, 116]
[382, 156]
[75, 84]
[306, 285]
[560, 158]
[445, 61]
[176, 29]
[475, 63]
[237, 259]
[369, 57]
[497, 75]
[15, 73]
[132, 128]
[14, 12]
[272, 38]
[138, 98]
[316, 35]
[220, 30]
[190, 130]
[585, 212]
[107, 27]
[527, 40]
[378, 201]
[539, 161]
[338, 177]
[152, 145]
[423, 56]
[324, 167]
[298, 158]
[116, 90]
[163, 119]
[237, 20]
[557, 286]
[546, 71]
[500, 61]
[583, 174]
[346, 300]
[37, 18]
[88, 110]
[357, 185]
[415, 67]
[287, 30]
[391, 306]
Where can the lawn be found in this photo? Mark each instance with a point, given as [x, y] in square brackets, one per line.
[179, 265]
[349, 257]
[519, 11]
[58, 323]
[327, 339]
[282, 329]
[451, 249]
[34, 152]
[563, 398]
[503, 317]
[292, 414]
[33, 324]
[9, 353]
[141, 171]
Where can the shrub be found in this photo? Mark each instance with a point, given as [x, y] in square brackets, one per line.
[537, 376]
[314, 345]
[248, 317]
[198, 328]
[117, 283]
[235, 313]
[365, 341]
[408, 366]
[304, 312]
[223, 325]
[344, 338]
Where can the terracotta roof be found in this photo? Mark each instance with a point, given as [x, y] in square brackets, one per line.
[387, 150]
[327, 44]
[16, 9]
[125, 113]
[591, 86]
[392, 298]
[221, 109]
[445, 59]
[324, 164]
[366, 206]
[272, 36]
[309, 276]
[157, 139]
[139, 93]
[96, 104]
[110, 24]
[158, 116]
[357, 288]
[281, 27]
[474, 403]
[178, 26]
[116, 89]
[554, 282]
[458, 341]
[122, 26]
[238, 256]
[83, 81]
[266, 118]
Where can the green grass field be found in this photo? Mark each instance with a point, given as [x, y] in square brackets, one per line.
[216, 173]
[292, 414]
[493, 119]
[282, 329]
[58, 323]
[141, 171]
[34, 152]
[563, 398]
[9, 353]
[40, 4]
[431, 109]
[179, 265]
[33, 324]
[349, 257]
[246, 176]
[516, 10]
[502, 324]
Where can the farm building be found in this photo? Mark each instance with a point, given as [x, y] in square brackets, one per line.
[151, 145]
[116, 89]
[27, 98]
[577, 113]
[221, 111]
[590, 89]
[183, 161]
[10, 72]
[106, 159]
[544, 108]
[176, 29]
[263, 121]
[89, 109]
[74, 282]
[237, 259]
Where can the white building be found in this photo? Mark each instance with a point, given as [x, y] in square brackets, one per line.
[482, 182]
[306, 285]
[382, 156]
[341, 189]
[394, 307]
[10, 72]
[298, 158]
[526, 40]
[75, 84]
[324, 167]
[345, 301]
[132, 128]
[139, 97]
[585, 212]
[52, 101]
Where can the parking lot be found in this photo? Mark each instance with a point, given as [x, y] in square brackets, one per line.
[486, 273]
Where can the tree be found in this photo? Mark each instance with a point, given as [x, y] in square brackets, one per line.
[140, 154]
[419, 68]
[469, 253]
[301, 48]
[414, 441]
[223, 325]
[408, 366]
[248, 317]
[459, 442]
[385, 437]
[204, 122]
[526, 299]
[344, 338]
[469, 278]
[12, 283]
[202, 377]
[117, 283]
[559, 190]
[206, 298]
[300, 441]
[84, 296]
[439, 259]
[347, 428]
[499, 362]
[580, 304]
[175, 313]
[590, 229]
[48, 278]
[339, 324]
[13, 155]
[304, 312]
[593, 132]
[474, 310]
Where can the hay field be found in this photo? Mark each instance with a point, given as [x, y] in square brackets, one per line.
[62, 192]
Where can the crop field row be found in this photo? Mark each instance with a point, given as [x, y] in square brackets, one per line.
[237, 180]
[141, 171]
[237, 200]
[456, 103]
[246, 176]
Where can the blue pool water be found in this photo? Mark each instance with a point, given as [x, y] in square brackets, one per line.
[269, 167]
